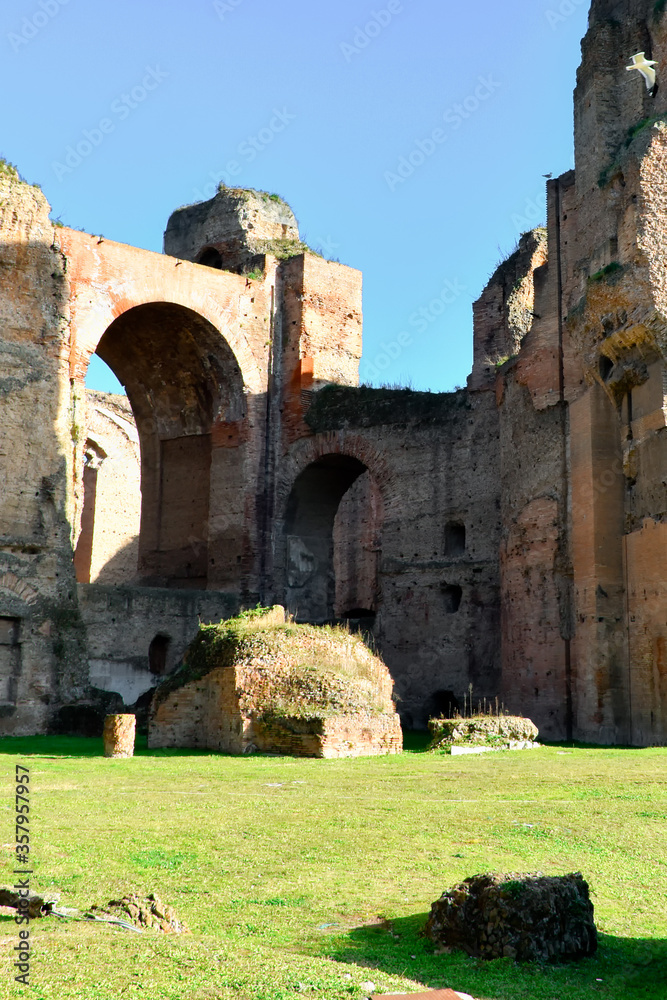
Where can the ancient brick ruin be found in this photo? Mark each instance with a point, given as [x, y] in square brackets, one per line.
[278, 687]
[512, 535]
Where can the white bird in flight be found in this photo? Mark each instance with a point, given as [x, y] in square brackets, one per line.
[645, 67]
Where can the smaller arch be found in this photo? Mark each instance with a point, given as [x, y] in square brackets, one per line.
[441, 704]
[210, 257]
[158, 652]
[453, 595]
[309, 528]
[455, 539]
[605, 366]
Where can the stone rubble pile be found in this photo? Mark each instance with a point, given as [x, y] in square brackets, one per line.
[148, 912]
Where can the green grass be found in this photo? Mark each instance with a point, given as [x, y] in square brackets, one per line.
[309, 878]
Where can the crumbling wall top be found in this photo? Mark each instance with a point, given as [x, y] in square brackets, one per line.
[233, 229]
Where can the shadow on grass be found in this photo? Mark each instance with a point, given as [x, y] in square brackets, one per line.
[84, 746]
[416, 741]
[81, 746]
[622, 969]
[573, 745]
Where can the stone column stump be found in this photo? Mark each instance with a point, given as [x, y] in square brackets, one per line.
[119, 732]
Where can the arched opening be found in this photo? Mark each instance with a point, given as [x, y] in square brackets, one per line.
[210, 257]
[181, 377]
[606, 366]
[455, 538]
[331, 526]
[93, 458]
[441, 704]
[453, 595]
[157, 655]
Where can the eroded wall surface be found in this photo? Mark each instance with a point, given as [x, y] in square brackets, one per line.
[42, 659]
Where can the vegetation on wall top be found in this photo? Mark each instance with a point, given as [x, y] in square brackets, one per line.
[300, 671]
[336, 407]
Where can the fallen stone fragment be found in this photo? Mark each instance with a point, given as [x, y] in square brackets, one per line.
[38, 906]
[496, 732]
[149, 912]
[531, 918]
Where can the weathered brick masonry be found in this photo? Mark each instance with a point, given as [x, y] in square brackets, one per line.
[512, 535]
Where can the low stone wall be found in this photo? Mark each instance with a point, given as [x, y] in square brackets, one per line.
[202, 715]
[491, 730]
[361, 735]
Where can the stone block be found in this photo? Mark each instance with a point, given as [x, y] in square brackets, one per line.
[531, 918]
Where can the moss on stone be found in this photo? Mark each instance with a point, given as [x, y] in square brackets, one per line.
[9, 170]
[480, 730]
[282, 249]
[614, 168]
[298, 671]
[611, 273]
[336, 407]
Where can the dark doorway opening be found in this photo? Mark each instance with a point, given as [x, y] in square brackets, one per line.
[317, 544]
[157, 655]
[455, 538]
[210, 257]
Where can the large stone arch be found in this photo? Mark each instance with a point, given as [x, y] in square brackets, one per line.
[107, 279]
[197, 408]
[182, 380]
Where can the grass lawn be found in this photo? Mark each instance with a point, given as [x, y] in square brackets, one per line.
[309, 878]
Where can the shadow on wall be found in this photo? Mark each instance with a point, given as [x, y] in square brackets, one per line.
[87, 720]
[122, 568]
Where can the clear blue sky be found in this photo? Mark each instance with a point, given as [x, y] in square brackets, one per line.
[360, 86]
